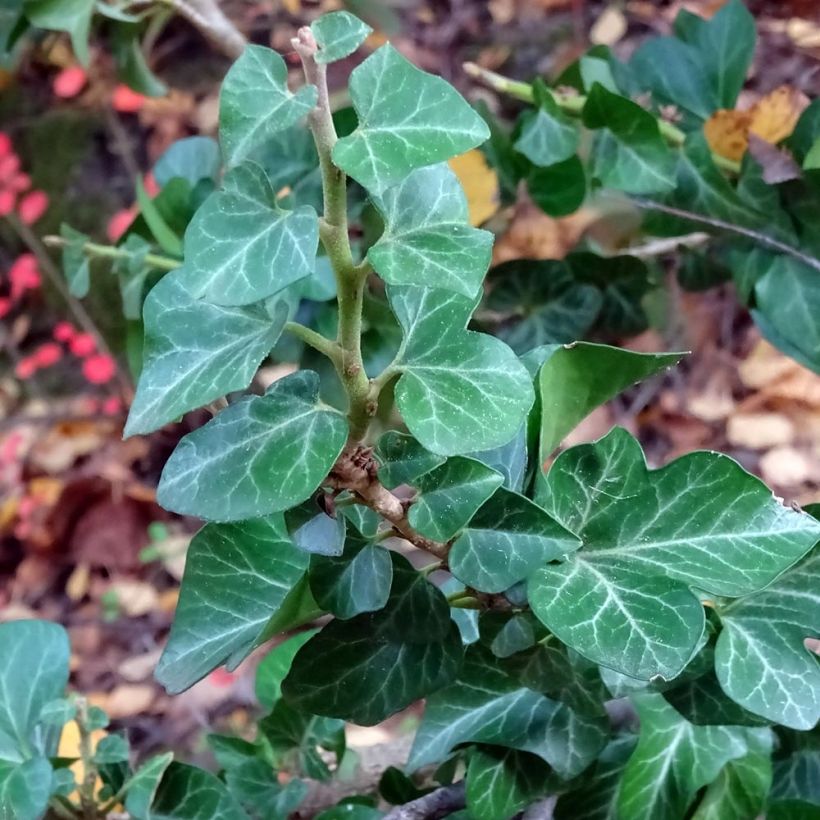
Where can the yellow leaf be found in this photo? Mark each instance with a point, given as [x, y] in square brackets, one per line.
[727, 133]
[480, 184]
[70, 747]
[774, 117]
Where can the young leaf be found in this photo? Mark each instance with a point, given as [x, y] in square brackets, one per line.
[509, 459]
[76, 265]
[548, 136]
[459, 390]
[673, 759]
[515, 636]
[71, 16]
[701, 522]
[189, 793]
[192, 159]
[143, 785]
[369, 667]
[261, 455]
[761, 659]
[486, 705]
[338, 34]
[274, 667]
[25, 788]
[507, 539]
[500, 782]
[237, 577]
[184, 368]
[403, 459]
[255, 103]
[241, 247]
[427, 237]
[450, 495]
[408, 119]
[630, 153]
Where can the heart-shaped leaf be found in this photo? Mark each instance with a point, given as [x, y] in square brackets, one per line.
[500, 782]
[427, 237]
[548, 136]
[408, 119]
[189, 793]
[25, 788]
[403, 459]
[143, 785]
[263, 454]
[71, 16]
[459, 390]
[338, 34]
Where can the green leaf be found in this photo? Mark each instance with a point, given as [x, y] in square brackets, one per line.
[559, 189]
[761, 659]
[162, 232]
[76, 266]
[111, 749]
[24, 789]
[548, 136]
[274, 667]
[255, 103]
[241, 247]
[58, 712]
[192, 159]
[449, 496]
[509, 459]
[338, 34]
[33, 671]
[71, 16]
[500, 782]
[674, 759]
[459, 390]
[486, 705]
[369, 667]
[188, 793]
[133, 272]
[630, 154]
[237, 576]
[184, 368]
[132, 67]
[408, 119]
[143, 785]
[506, 541]
[624, 599]
[515, 636]
[255, 785]
[725, 46]
[261, 455]
[403, 459]
[427, 237]
[576, 379]
[292, 165]
[314, 531]
[357, 581]
[796, 774]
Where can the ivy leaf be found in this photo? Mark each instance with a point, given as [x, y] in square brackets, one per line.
[459, 390]
[189, 793]
[509, 459]
[427, 237]
[241, 247]
[548, 136]
[263, 454]
[76, 265]
[450, 495]
[338, 34]
[486, 705]
[237, 577]
[515, 636]
[71, 16]
[630, 153]
[274, 667]
[373, 665]
[559, 189]
[192, 159]
[408, 119]
[25, 788]
[403, 459]
[184, 368]
[314, 531]
[500, 782]
[254, 784]
[761, 659]
[576, 379]
[33, 671]
[357, 581]
[143, 784]
[292, 165]
[255, 102]
[505, 541]
[674, 759]
[624, 599]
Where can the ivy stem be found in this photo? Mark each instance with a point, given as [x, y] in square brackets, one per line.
[318, 342]
[86, 788]
[94, 251]
[333, 231]
[573, 104]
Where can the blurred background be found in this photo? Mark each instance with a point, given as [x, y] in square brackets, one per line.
[83, 122]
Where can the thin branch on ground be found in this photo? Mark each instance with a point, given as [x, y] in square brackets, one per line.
[432, 806]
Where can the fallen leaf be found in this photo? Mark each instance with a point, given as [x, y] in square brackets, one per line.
[609, 28]
[778, 164]
[785, 467]
[480, 183]
[727, 132]
[139, 667]
[135, 598]
[759, 431]
[76, 586]
[128, 699]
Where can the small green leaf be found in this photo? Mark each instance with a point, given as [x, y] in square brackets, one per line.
[184, 368]
[111, 749]
[132, 67]
[237, 576]
[25, 788]
[76, 266]
[314, 531]
[408, 119]
[192, 159]
[450, 495]
[255, 103]
[241, 247]
[338, 34]
[630, 153]
[486, 705]
[427, 237]
[58, 712]
[165, 236]
[761, 659]
[703, 702]
[255, 785]
[509, 459]
[560, 189]
[624, 599]
[188, 793]
[548, 136]
[515, 636]
[261, 455]
[500, 782]
[369, 667]
[459, 390]
[274, 667]
[142, 786]
[71, 16]
[403, 459]
[506, 540]
[292, 165]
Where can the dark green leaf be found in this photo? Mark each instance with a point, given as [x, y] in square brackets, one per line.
[192, 159]
[558, 189]
[403, 459]
[548, 136]
[509, 459]
[71, 16]
[703, 702]
[111, 749]
[500, 782]
[255, 785]
[25, 788]
[515, 636]
[274, 667]
[314, 531]
[188, 793]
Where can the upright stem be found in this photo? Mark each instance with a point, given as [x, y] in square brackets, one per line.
[350, 278]
[86, 788]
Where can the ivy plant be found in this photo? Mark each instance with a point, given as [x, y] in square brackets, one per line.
[631, 135]
[630, 641]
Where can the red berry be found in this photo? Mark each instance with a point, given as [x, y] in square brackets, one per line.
[24, 275]
[69, 82]
[126, 101]
[26, 368]
[63, 331]
[20, 183]
[112, 406]
[48, 354]
[7, 201]
[9, 166]
[82, 345]
[99, 368]
[5, 144]
[32, 206]
[5, 306]
[120, 223]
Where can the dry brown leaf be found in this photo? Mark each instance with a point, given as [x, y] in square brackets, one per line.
[768, 370]
[609, 28]
[77, 584]
[480, 183]
[135, 598]
[760, 431]
[727, 133]
[128, 699]
[139, 667]
[785, 467]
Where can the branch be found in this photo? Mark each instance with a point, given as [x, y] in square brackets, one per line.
[95, 251]
[315, 340]
[432, 806]
[206, 16]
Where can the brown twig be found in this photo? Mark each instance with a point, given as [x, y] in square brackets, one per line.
[206, 16]
[432, 806]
